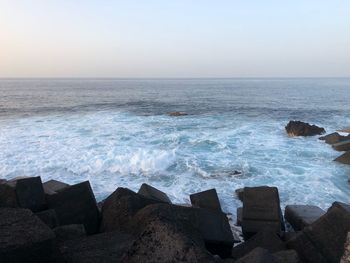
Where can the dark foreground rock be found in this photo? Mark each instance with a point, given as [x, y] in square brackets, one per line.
[69, 232]
[24, 238]
[342, 146]
[239, 193]
[153, 193]
[54, 186]
[258, 255]
[7, 196]
[299, 128]
[287, 256]
[344, 158]
[261, 209]
[346, 256]
[300, 216]
[76, 205]
[207, 199]
[49, 217]
[334, 138]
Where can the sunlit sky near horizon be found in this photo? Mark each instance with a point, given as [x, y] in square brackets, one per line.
[174, 38]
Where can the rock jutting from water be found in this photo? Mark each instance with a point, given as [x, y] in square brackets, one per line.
[147, 227]
[299, 128]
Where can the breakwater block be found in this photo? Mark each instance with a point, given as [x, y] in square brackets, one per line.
[76, 205]
[49, 217]
[207, 199]
[54, 186]
[69, 232]
[7, 196]
[153, 193]
[300, 216]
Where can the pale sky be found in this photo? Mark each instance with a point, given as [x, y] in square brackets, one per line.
[174, 38]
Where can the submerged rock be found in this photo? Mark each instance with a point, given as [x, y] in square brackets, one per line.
[299, 128]
[177, 113]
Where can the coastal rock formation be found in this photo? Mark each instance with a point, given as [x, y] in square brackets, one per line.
[153, 193]
[344, 158]
[346, 256]
[300, 216]
[342, 146]
[334, 137]
[177, 113]
[54, 186]
[299, 128]
[49, 217]
[7, 196]
[207, 199]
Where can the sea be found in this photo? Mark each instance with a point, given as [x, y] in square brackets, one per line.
[118, 133]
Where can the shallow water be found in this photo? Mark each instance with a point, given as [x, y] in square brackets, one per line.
[117, 133]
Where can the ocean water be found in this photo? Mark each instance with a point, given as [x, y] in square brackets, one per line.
[117, 133]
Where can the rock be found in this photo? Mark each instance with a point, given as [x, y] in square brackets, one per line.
[119, 208]
[49, 217]
[344, 158]
[3, 181]
[323, 240]
[207, 199]
[347, 130]
[265, 239]
[177, 113]
[346, 256]
[287, 256]
[107, 247]
[239, 216]
[342, 146]
[30, 194]
[153, 193]
[54, 186]
[258, 255]
[69, 232]
[7, 196]
[261, 209]
[300, 216]
[239, 193]
[298, 128]
[334, 138]
[76, 205]
[24, 238]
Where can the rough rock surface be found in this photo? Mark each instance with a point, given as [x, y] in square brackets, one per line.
[346, 256]
[207, 199]
[54, 186]
[334, 138]
[300, 216]
[258, 255]
[153, 193]
[69, 232]
[342, 146]
[299, 128]
[344, 158]
[7, 196]
[49, 217]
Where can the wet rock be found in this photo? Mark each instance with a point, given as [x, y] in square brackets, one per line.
[266, 239]
[76, 205]
[261, 209]
[153, 193]
[344, 158]
[24, 238]
[207, 199]
[346, 256]
[258, 255]
[7, 196]
[239, 193]
[49, 217]
[334, 138]
[177, 113]
[30, 194]
[54, 186]
[239, 216]
[69, 232]
[342, 146]
[300, 216]
[287, 256]
[299, 128]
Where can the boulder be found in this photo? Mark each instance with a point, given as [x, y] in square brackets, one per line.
[49, 217]
[69, 232]
[239, 216]
[207, 199]
[106, 247]
[266, 239]
[300, 216]
[287, 256]
[177, 113]
[342, 146]
[54, 186]
[239, 193]
[261, 209]
[258, 255]
[346, 256]
[299, 128]
[119, 208]
[24, 238]
[344, 158]
[153, 193]
[334, 138]
[7, 196]
[30, 194]
[76, 205]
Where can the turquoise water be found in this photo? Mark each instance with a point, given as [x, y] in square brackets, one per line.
[117, 133]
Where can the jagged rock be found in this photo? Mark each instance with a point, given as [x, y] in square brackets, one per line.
[76, 205]
[30, 194]
[54, 186]
[239, 216]
[299, 128]
[265, 239]
[239, 193]
[24, 238]
[258, 255]
[261, 209]
[287, 256]
[69, 232]
[346, 256]
[153, 193]
[49, 217]
[7, 196]
[342, 146]
[334, 138]
[300, 216]
[207, 199]
[344, 158]
[177, 113]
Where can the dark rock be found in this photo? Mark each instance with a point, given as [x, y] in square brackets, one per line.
[299, 128]
[3, 181]
[239, 193]
[346, 256]
[7, 196]
[107, 247]
[289, 235]
[300, 216]
[49, 217]
[344, 158]
[261, 209]
[334, 138]
[76, 205]
[119, 208]
[207, 199]
[342, 146]
[30, 194]
[69, 232]
[258, 255]
[153, 193]
[177, 113]
[24, 238]
[239, 216]
[54, 186]
[287, 256]
[265, 239]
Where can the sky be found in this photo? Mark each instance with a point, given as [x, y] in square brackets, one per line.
[174, 38]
